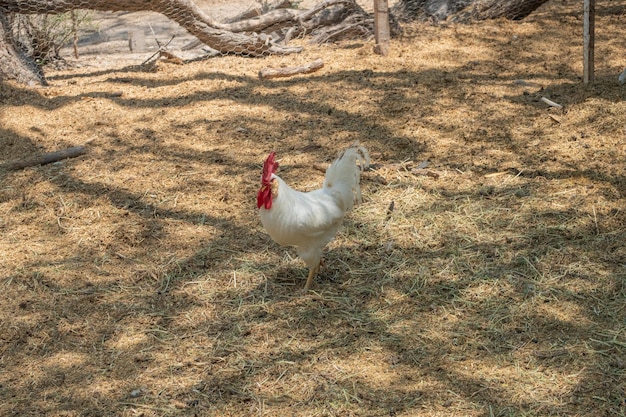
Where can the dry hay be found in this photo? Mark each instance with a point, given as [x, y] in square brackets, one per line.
[137, 280]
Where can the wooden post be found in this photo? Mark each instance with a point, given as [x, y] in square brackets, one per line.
[381, 27]
[589, 16]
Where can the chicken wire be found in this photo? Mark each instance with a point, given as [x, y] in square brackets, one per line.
[212, 27]
[48, 30]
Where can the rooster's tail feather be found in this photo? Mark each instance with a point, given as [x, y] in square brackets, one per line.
[343, 176]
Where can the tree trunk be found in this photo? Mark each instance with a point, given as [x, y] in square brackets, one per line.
[13, 63]
[509, 9]
[464, 10]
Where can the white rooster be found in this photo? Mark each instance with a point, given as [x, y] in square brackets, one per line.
[310, 220]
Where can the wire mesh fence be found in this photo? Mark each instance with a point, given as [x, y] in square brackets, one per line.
[242, 27]
[52, 30]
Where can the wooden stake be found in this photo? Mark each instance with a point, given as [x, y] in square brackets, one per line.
[46, 158]
[589, 16]
[381, 27]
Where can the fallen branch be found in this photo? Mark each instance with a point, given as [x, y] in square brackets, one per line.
[323, 5]
[46, 158]
[278, 4]
[258, 23]
[267, 73]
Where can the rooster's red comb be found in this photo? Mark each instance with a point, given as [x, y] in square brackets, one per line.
[269, 167]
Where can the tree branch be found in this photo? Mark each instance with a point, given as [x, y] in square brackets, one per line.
[46, 158]
[183, 12]
[266, 73]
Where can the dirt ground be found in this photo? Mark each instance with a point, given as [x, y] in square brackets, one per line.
[137, 280]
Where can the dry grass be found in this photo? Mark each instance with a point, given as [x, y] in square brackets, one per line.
[137, 280]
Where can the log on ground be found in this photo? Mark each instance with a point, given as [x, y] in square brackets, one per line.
[267, 73]
[43, 159]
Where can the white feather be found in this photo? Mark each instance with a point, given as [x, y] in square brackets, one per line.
[309, 221]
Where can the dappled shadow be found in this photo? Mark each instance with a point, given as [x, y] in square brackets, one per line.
[495, 287]
[489, 329]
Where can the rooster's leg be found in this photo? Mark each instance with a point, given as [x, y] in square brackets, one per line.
[309, 280]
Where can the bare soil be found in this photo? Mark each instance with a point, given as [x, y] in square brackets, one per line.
[137, 280]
